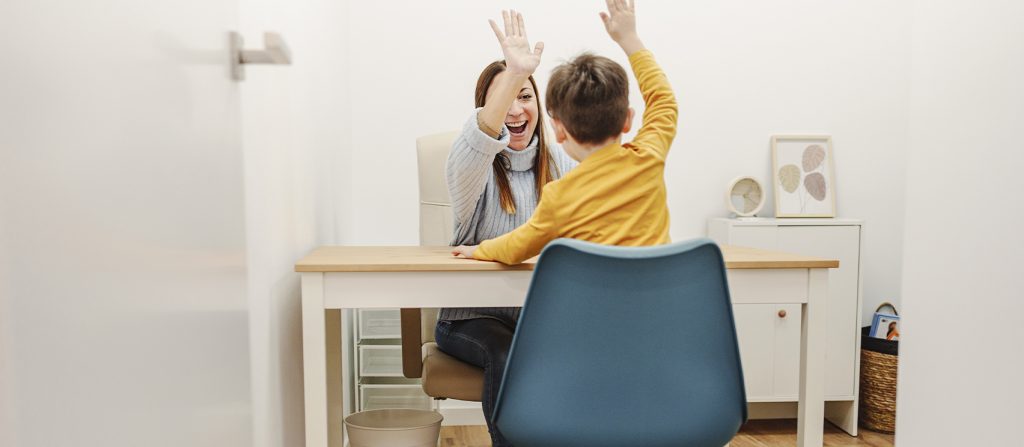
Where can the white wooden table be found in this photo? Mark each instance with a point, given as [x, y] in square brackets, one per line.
[335, 278]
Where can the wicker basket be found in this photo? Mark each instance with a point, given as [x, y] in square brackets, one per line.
[878, 360]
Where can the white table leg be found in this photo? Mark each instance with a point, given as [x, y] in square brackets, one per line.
[811, 407]
[335, 385]
[321, 337]
[843, 414]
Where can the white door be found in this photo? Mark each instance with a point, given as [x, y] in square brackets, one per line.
[123, 315]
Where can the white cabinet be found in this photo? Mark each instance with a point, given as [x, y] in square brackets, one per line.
[377, 365]
[770, 344]
[769, 339]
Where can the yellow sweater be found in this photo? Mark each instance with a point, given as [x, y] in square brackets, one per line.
[616, 196]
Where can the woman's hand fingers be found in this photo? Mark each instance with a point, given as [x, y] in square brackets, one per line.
[497, 31]
[520, 25]
[508, 23]
[515, 46]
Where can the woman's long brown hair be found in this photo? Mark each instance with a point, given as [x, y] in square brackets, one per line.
[543, 164]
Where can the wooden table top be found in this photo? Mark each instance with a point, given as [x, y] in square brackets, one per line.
[435, 259]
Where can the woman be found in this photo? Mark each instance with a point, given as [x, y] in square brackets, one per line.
[496, 171]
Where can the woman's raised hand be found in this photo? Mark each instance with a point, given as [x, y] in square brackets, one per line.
[518, 57]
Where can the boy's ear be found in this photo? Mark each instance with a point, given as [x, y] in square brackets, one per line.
[560, 134]
[629, 121]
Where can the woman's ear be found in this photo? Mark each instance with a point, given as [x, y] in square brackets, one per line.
[560, 134]
[629, 121]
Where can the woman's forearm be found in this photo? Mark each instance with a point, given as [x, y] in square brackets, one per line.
[504, 90]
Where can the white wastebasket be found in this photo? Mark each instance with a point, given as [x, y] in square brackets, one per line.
[393, 428]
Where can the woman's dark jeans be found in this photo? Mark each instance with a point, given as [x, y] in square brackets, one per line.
[483, 342]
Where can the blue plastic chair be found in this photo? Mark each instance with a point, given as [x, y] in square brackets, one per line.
[624, 346]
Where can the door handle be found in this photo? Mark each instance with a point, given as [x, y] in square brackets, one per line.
[275, 51]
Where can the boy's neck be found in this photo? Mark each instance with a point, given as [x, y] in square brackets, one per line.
[581, 152]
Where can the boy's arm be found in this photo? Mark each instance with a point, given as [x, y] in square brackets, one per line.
[660, 110]
[522, 243]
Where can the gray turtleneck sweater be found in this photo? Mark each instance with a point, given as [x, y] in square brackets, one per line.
[475, 201]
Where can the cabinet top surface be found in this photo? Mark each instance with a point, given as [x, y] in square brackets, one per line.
[787, 221]
[434, 259]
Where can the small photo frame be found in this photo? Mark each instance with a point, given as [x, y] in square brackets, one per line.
[885, 327]
[803, 176]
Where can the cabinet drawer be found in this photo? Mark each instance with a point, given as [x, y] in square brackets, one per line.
[769, 349]
[379, 324]
[380, 361]
[375, 397]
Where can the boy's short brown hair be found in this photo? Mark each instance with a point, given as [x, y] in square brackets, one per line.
[590, 96]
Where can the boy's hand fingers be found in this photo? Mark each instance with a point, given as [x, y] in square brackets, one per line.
[610, 4]
[632, 5]
[521, 24]
[497, 31]
[539, 48]
[604, 18]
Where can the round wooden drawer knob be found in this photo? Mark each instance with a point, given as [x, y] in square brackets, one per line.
[782, 314]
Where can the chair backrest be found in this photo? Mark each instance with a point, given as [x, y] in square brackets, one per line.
[624, 346]
[436, 219]
[436, 228]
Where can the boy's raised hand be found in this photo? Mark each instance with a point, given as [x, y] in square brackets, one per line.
[620, 22]
[518, 57]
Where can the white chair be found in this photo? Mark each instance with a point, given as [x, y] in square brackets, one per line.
[443, 376]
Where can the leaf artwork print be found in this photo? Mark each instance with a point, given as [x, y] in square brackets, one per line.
[789, 176]
[803, 175]
[815, 184]
[813, 156]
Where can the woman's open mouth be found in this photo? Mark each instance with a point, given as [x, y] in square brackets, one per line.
[517, 127]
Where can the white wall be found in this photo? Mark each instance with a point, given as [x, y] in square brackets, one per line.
[294, 130]
[960, 352]
[743, 70]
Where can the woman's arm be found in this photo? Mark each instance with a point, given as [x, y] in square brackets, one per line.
[520, 63]
[473, 152]
[468, 168]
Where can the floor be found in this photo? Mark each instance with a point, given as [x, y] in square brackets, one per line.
[761, 433]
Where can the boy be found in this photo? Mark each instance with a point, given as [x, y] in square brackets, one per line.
[616, 195]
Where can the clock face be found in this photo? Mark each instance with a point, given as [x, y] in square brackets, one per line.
[746, 197]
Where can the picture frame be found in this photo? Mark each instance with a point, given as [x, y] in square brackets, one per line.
[885, 327]
[803, 176]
